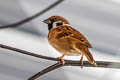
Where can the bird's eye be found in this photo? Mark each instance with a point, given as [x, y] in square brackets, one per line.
[56, 19]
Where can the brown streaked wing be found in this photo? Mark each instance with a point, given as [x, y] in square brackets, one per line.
[73, 36]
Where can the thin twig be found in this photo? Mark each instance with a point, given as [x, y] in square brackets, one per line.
[68, 62]
[101, 64]
[48, 69]
[32, 17]
[26, 52]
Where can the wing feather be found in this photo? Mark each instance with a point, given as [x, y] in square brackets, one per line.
[72, 35]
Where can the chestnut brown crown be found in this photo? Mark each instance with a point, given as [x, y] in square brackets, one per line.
[58, 19]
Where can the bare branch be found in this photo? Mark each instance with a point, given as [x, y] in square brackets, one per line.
[50, 68]
[26, 52]
[32, 17]
[67, 62]
[102, 64]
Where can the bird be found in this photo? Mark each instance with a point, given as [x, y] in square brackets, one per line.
[67, 40]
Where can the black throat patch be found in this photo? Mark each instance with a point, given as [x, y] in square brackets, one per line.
[50, 26]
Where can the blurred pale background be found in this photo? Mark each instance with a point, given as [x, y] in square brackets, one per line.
[98, 20]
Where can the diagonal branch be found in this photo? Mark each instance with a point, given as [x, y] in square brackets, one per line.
[101, 64]
[32, 17]
[27, 53]
[48, 69]
[67, 62]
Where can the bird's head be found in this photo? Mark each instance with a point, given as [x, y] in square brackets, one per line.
[55, 21]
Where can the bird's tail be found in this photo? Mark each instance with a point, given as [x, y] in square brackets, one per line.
[89, 57]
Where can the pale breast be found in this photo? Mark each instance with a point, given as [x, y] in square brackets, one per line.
[61, 45]
[54, 41]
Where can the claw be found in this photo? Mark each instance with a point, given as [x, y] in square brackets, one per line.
[58, 59]
[94, 63]
[61, 59]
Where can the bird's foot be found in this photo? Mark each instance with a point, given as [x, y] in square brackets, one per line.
[61, 59]
[81, 60]
[94, 63]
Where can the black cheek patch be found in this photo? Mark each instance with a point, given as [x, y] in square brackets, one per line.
[59, 24]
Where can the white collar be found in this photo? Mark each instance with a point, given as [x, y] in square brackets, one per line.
[55, 26]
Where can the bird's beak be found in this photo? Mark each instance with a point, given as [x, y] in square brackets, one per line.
[47, 21]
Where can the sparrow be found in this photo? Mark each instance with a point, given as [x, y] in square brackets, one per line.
[67, 40]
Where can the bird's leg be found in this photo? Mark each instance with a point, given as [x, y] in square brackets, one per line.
[62, 58]
[81, 60]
